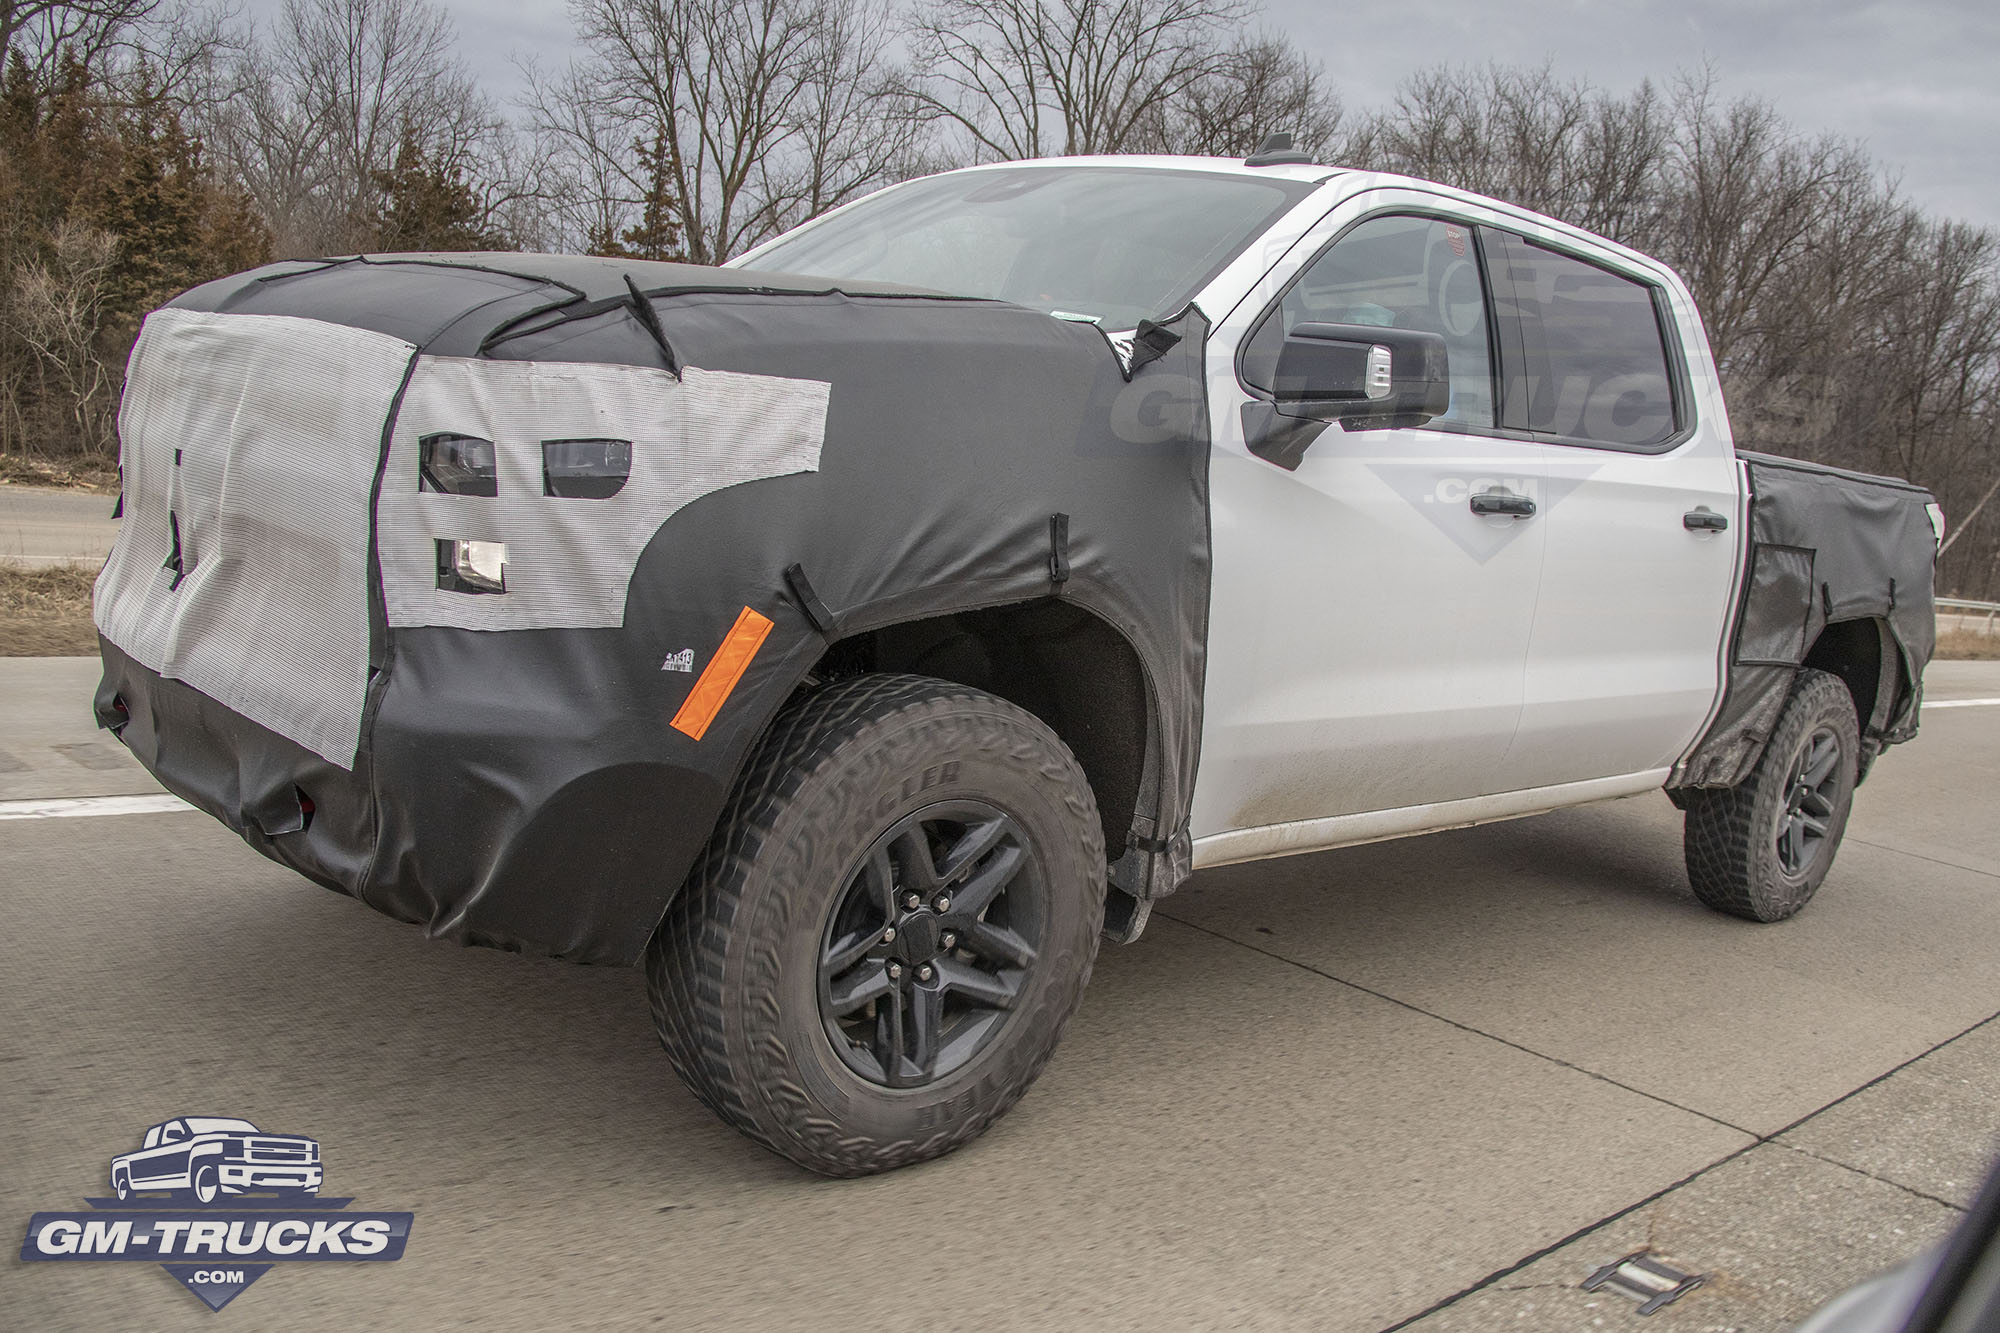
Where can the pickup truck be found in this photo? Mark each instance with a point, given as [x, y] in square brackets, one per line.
[206, 1157]
[859, 632]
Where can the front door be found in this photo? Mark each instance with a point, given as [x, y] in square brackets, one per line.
[1369, 631]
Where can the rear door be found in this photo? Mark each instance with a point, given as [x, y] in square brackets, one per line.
[1641, 510]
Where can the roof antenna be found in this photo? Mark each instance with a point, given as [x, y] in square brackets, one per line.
[1276, 151]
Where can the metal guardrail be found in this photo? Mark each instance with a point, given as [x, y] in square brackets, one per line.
[1968, 615]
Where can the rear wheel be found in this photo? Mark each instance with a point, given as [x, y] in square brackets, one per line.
[1759, 850]
[897, 914]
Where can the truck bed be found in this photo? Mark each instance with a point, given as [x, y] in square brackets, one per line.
[1828, 547]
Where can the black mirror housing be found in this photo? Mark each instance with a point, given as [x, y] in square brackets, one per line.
[1362, 376]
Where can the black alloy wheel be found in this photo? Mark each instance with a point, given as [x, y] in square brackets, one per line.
[925, 953]
[1813, 795]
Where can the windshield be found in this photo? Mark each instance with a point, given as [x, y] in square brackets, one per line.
[1111, 244]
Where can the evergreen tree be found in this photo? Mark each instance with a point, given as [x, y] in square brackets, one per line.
[427, 204]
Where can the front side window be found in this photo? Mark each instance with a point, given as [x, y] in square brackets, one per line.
[1394, 272]
[1594, 358]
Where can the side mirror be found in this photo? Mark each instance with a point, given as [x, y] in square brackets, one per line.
[1362, 375]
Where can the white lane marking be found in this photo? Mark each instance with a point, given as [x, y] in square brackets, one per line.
[1962, 703]
[92, 805]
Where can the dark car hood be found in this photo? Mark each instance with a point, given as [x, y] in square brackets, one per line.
[474, 304]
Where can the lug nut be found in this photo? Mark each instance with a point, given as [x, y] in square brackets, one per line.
[912, 901]
[943, 903]
[948, 940]
[895, 971]
[889, 935]
[924, 972]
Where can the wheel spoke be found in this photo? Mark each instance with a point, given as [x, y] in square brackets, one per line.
[857, 988]
[1820, 761]
[1816, 827]
[889, 1036]
[926, 1024]
[979, 987]
[1794, 841]
[913, 860]
[881, 878]
[997, 943]
[971, 898]
[974, 843]
[847, 952]
[1814, 804]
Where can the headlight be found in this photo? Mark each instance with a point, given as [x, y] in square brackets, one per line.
[472, 566]
[457, 465]
[585, 469]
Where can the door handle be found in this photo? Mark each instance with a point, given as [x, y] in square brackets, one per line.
[1503, 502]
[1704, 519]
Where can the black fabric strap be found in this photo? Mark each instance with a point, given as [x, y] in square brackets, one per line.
[809, 601]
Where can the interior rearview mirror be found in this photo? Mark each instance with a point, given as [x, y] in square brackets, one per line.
[1362, 374]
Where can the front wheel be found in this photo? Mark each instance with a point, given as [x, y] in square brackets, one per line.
[1760, 849]
[895, 917]
[207, 1185]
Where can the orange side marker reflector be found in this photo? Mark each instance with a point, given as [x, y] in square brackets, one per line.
[719, 677]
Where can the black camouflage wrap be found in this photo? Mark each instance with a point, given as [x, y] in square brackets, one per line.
[523, 788]
[1826, 546]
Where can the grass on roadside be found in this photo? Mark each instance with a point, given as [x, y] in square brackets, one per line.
[45, 611]
[84, 474]
[1964, 645]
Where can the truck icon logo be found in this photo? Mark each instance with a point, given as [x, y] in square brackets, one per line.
[205, 1158]
[217, 1202]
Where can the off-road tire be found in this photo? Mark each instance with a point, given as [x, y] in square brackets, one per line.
[733, 969]
[1731, 834]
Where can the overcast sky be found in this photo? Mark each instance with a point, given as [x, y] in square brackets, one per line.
[1917, 80]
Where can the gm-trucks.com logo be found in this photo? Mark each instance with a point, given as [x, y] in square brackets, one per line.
[217, 1203]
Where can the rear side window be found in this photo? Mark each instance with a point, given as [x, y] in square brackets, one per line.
[1593, 362]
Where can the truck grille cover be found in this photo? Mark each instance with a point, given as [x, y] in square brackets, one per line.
[249, 448]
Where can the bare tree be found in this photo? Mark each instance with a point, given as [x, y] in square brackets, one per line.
[319, 111]
[1258, 86]
[1563, 148]
[56, 308]
[1032, 78]
[1749, 195]
[135, 49]
[740, 118]
[42, 31]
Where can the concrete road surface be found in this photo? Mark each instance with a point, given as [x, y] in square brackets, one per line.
[1429, 1084]
[46, 527]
